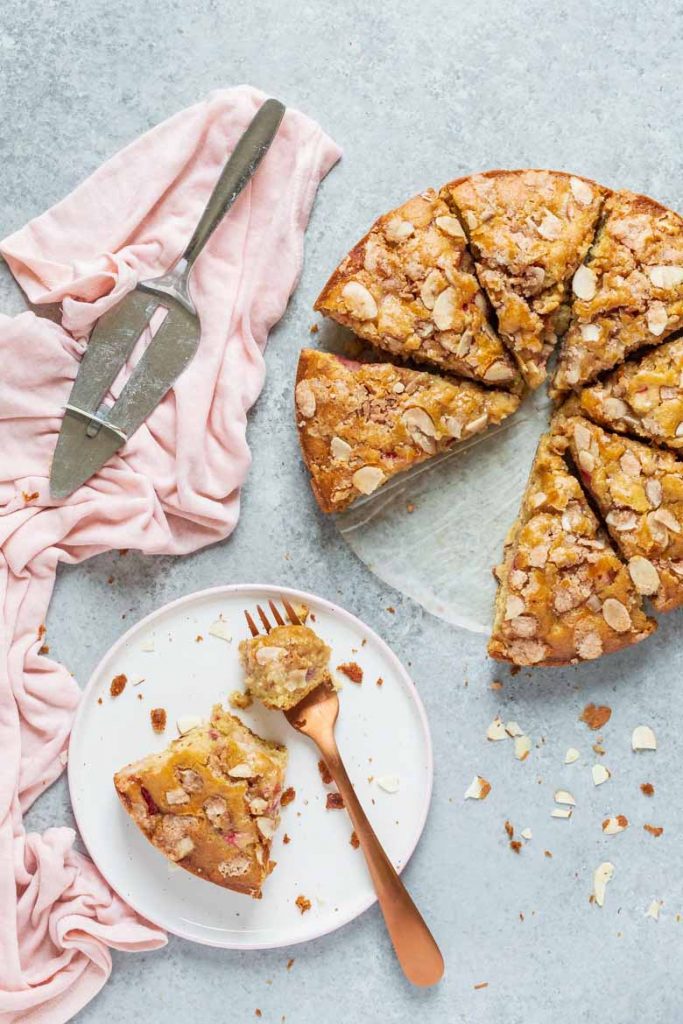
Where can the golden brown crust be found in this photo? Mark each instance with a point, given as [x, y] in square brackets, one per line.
[362, 423]
[529, 230]
[409, 288]
[564, 594]
[629, 292]
[639, 491]
[283, 666]
[643, 397]
[210, 801]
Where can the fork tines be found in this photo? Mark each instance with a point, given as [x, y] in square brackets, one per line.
[289, 609]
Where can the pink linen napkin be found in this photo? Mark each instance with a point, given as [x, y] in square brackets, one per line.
[174, 488]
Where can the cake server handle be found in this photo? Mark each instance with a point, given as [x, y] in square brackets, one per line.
[415, 946]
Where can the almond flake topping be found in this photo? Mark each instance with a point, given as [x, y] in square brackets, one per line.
[450, 226]
[584, 283]
[186, 723]
[581, 191]
[643, 738]
[562, 796]
[616, 615]
[359, 301]
[602, 875]
[665, 276]
[340, 449]
[571, 756]
[367, 479]
[644, 575]
[478, 789]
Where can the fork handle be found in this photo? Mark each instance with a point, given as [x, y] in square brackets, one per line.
[416, 949]
[243, 161]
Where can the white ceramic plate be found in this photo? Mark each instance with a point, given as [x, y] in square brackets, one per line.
[381, 731]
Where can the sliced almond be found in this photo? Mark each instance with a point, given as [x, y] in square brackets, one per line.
[389, 783]
[589, 332]
[340, 449]
[571, 756]
[266, 827]
[586, 461]
[561, 812]
[644, 575]
[397, 229]
[612, 826]
[359, 301]
[267, 654]
[445, 307]
[258, 805]
[478, 789]
[584, 283]
[615, 408]
[522, 747]
[550, 227]
[498, 372]
[514, 606]
[562, 796]
[600, 774]
[496, 730]
[182, 849]
[665, 276]
[432, 286]
[220, 629]
[416, 418]
[526, 833]
[666, 518]
[367, 479]
[581, 191]
[513, 729]
[242, 771]
[657, 318]
[643, 738]
[582, 437]
[616, 615]
[602, 875]
[305, 399]
[450, 226]
[654, 909]
[177, 796]
[653, 490]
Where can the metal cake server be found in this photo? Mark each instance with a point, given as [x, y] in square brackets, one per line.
[92, 432]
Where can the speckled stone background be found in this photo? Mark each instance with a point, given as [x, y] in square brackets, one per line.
[416, 94]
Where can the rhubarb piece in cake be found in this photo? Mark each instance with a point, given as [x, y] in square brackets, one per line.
[643, 397]
[639, 491]
[210, 801]
[564, 595]
[529, 231]
[409, 288]
[362, 423]
[283, 666]
[628, 293]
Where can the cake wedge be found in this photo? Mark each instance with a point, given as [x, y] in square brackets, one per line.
[408, 287]
[210, 801]
[643, 397]
[529, 231]
[639, 491]
[362, 423]
[564, 595]
[627, 294]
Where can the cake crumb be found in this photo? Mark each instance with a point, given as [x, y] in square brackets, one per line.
[595, 716]
[241, 699]
[334, 802]
[496, 685]
[548, 854]
[313, 329]
[99, 700]
[509, 829]
[410, 507]
[288, 796]
[354, 840]
[324, 773]
[380, 681]
[118, 685]
[199, 638]
[352, 671]
[647, 789]
[303, 904]
[45, 649]
[515, 845]
[158, 719]
[481, 984]
[290, 963]
[286, 839]
[654, 830]
[391, 609]
[257, 1012]
[28, 497]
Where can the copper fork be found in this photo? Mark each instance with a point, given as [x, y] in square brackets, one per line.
[315, 717]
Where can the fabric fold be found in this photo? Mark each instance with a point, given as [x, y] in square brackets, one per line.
[173, 488]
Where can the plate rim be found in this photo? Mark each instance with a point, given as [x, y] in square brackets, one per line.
[332, 608]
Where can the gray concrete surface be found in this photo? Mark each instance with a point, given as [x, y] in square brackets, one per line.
[415, 93]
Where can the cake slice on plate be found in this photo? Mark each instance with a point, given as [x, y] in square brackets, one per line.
[639, 491]
[285, 665]
[362, 423]
[643, 397]
[210, 801]
[564, 595]
[409, 288]
[628, 293]
[529, 231]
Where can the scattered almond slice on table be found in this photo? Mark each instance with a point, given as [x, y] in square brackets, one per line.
[612, 826]
[526, 833]
[602, 876]
[563, 797]
[389, 783]
[600, 774]
[561, 812]
[522, 747]
[220, 629]
[496, 731]
[654, 909]
[478, 789]
[643, 738]
[571, 756]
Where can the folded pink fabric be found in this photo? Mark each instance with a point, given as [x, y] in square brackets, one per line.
[174, 488]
